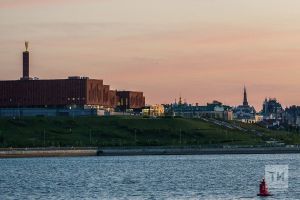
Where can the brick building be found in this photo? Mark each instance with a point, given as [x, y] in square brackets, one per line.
[130, 100]
[59, 93]
[56, 93]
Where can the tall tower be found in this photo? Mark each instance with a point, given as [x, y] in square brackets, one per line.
[180, 100]
[25, 62]
[245, 102]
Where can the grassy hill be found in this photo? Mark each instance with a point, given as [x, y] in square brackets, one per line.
[128, 131]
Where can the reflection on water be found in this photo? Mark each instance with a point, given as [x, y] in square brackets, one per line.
[144, 177]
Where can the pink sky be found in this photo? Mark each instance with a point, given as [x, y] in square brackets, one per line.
[202, 49]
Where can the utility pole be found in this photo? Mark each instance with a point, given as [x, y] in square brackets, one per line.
[1, 138]
[90, 137]
[226, 134]
[180, 141]
[135, 136]
[44, 138]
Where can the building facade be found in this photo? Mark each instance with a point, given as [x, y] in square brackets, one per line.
[130, 100]
[79, 91]
[272, 109]
[212, 110]
[154, 111]
[291, 117]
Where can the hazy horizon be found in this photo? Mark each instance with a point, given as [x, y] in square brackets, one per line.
[204, 50]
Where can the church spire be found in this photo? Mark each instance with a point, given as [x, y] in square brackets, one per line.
[245, 102]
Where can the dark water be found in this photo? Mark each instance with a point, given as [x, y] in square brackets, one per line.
[143, 177]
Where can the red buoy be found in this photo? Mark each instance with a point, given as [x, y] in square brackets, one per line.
[263, 189]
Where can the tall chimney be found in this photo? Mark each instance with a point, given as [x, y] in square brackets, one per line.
[26, 62]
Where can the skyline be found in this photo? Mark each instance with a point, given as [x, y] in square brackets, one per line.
[203, 50]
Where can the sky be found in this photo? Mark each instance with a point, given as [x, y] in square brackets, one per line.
[203, 50]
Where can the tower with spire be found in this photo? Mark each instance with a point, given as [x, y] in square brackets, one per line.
[245, 101]
[245, 112]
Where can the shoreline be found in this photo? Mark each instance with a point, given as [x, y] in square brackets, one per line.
[196, 151]
[46, 153]
[73, 152]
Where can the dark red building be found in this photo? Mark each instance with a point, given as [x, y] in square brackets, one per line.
[130, 100]
[56, 93]
[79, 91]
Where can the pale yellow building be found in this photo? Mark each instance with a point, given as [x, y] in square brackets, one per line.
[154, 110]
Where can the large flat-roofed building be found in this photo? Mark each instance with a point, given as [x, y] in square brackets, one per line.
[75, 91]
[130, 100]
[56, 93]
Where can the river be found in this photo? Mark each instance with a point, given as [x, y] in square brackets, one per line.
[145, 177]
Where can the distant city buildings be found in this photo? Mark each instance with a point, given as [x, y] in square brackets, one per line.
[212, 110]
[79, 96]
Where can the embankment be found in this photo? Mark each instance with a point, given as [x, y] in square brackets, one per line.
[22, 153]
[19, 153]
[196, 151]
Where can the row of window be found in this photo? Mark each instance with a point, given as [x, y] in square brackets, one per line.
[49, 99]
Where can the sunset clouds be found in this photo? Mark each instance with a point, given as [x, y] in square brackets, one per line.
[202, 49]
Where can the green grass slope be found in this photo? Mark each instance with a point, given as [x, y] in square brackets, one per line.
[123, 131]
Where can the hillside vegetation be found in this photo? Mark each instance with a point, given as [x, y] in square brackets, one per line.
[128, 131]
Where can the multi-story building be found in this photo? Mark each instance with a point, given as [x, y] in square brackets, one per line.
[272, 109]
[291, 117]
[130, 100]
[154, 111]
[74, 91]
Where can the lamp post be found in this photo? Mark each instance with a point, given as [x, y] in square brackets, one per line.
[180, 140]
[90, 137]
[44, 138]
[135, 136]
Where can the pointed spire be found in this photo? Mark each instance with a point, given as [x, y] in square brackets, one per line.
[245, 102]
[180, 99]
